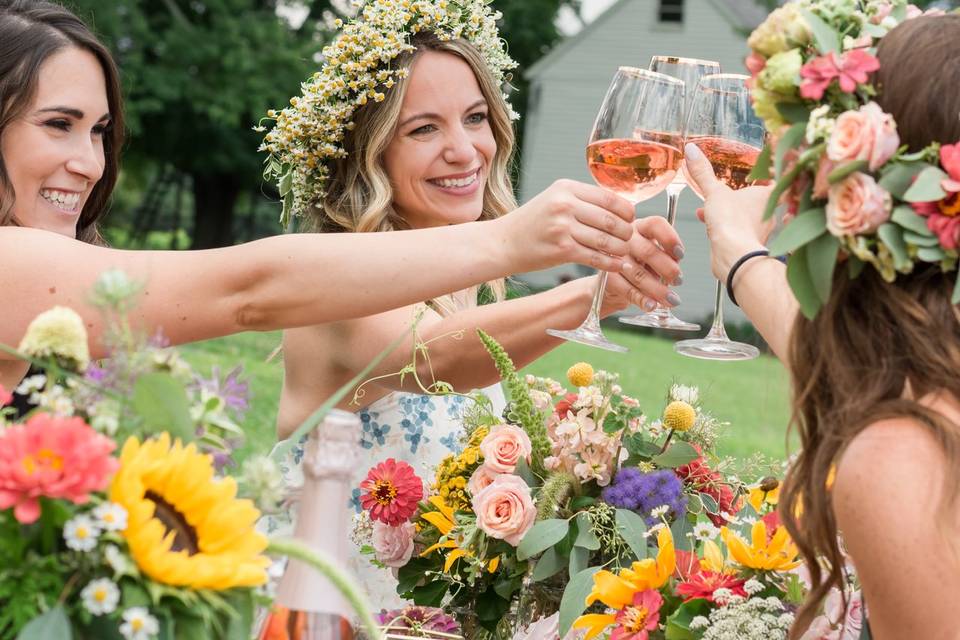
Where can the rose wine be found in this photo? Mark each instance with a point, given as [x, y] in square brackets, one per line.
[732, 161]
[635, 169]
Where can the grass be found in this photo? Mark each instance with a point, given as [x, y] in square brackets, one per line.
[752, 396]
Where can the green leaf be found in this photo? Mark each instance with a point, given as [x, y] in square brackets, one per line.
[240, 625]
[800, 283]
[824, 36]
[680, 528]
[52, 624]
[285, 183]
[542, 536]
[855, 267]
[927, 187]
[524, 471]
[898, 177]
[783, 183]
[548, 564]
[794, 113]
[133, 594]
[574, 598]
[709, 503]
[491, 608]
[804, 228]
[931, 254]
[843, 171]
[636, 444]
[586, 539]
[907, 218]
[790, 140]
[632, 528]
[579, 559]
[431, 594]
[761, 170]
[821, 261]
[920, 241]
[162, 403]
[892, 236]
[410, 574]
[678, 624]
[582, 502]
[679, 454]
[794, 589]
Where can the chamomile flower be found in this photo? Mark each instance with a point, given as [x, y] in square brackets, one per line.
[116, 559]
[100, 596]
[138, 624]
[81, 533]
[111, 517]
[660, 511]
[705, 531]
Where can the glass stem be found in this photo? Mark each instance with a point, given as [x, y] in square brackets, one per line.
[593, 318]
[674, 189]
[717, 331]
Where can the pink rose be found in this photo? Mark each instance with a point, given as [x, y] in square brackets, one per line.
[393, 546]
[482, 478]
[857, 205]
[866, 134]
[505, 509]
[503, 447]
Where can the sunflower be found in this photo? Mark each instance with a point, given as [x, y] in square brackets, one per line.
[185, 527]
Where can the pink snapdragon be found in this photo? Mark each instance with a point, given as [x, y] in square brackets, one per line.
[52, 457]
[851, 69]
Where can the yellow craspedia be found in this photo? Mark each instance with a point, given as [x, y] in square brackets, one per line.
[58, 333]
[580, 374]
[679, 416]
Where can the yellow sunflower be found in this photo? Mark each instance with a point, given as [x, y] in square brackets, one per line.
[185, 527]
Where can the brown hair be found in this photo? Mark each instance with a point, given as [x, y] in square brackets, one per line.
[875, 345]
[30, 32]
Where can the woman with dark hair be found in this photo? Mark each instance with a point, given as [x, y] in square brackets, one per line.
[60, 136]
[876, 396]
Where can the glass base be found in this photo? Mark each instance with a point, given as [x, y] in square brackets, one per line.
[588, 336]
[660, 318]
[716, 349]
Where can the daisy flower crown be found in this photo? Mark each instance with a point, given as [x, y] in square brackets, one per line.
[357, 68]
[853, 194]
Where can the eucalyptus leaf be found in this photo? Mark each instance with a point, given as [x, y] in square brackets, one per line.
[579, 559]
[679, 454]
[892, 236]
[783, 183]
[790, 140]
[586, 538]
[51, 624]
[825, 37]
[162, 404]
[931, 254]
[821, 262]
[907, 218]
[845, 170]
[523, 470]
[574, 598]
[805, 227]
[927, 187]
[680, 529]
[898, 177]
[709, 503]
[794, 113]
[542, 536]
[800, 283]
[548, 564]
[632, 528]
[761, 169]
[582, 502]
[920, 241]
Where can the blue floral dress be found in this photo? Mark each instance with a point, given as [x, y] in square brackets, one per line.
[418, 429]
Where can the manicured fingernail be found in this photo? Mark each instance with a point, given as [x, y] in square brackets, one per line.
[649, 305]
[678, 252]
[692, 151]
[678, 280]
[673, 298]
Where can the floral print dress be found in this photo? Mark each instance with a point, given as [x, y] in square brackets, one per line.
[418, 429]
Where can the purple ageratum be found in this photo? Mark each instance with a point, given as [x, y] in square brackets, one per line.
[643, 492]
[417, 621]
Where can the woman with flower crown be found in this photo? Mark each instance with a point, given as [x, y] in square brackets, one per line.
[61, 131]
[865, 312]
[405, 127]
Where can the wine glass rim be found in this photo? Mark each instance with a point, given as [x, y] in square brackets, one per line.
[724, 76]
[652, 75]
[683, 60]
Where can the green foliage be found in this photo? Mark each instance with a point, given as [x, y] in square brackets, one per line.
[27, 588]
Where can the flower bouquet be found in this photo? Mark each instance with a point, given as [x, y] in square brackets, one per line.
[575, 498]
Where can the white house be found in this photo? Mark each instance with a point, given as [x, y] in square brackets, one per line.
[568, 85]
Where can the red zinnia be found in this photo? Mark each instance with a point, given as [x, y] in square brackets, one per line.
[636, 620]
[391, 492]
[703, 583]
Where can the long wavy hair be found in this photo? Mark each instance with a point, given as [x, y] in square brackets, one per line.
[359, 194]
[30, 32]
[876, 347]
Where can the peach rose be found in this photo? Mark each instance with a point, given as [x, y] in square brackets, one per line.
[505, 509]
[393, 546]
[503, 447]
[857, 205]
[866, 134]
[482, 478]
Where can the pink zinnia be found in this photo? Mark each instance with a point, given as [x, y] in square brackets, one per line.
[391, 492]
[5, 396]
[60, 458]
[942, 215]
[852, 68]
[636, 620]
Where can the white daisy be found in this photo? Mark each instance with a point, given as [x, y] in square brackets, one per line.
[660, 511]
[80, 533]
[138, 624]
[111, 516]
[705, 531]
[100, 596]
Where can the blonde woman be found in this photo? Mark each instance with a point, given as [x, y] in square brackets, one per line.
[434, 152]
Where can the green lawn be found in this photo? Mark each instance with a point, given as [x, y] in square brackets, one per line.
[752, 396]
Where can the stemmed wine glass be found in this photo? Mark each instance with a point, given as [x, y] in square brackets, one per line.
[723, 125]
[689, 71]
[635, 150]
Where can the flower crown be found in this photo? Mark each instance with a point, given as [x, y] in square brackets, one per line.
[853, 194]
[309, 133]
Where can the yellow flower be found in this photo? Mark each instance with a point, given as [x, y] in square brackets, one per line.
[580, 374]
[442, 519]
[779, 554]
[768, 491]
[185, 527]
[679, 416]
[58, 333]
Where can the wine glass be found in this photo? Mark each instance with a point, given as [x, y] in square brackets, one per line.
[723, 125]
[635, 149]
[689, 71]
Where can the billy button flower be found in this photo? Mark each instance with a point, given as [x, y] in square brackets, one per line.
[580, 374]
[678, 416]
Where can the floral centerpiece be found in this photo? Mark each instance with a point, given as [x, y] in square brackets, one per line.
[576, 498]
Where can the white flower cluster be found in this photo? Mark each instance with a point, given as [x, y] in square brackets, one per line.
[82, 532]
[309, 133]
[745, 619]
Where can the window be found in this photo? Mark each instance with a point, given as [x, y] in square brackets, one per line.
[671, 11]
